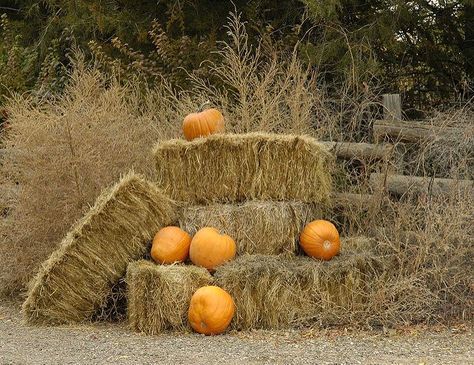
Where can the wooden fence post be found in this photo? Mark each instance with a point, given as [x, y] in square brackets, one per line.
[392, 107]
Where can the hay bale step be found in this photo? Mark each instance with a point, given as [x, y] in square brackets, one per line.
[275, 292]
[77, 278]
[158, 296]
[258, 227]
[239, 167]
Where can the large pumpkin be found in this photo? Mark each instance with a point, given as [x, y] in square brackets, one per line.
[202, 124]
[211, 310]
[210, 249]
[171, 244]
[320, 239]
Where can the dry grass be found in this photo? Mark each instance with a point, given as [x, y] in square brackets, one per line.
[236, 167]
[158, 295]
[451, 152]
[279, 292]
[60, 153]
[430, 276]
[258, 227]
[76, 280]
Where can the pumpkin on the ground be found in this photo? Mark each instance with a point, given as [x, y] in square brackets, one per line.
[202, 124]
[211, 310]
[171, 244]
[210, 249]
[320, 239]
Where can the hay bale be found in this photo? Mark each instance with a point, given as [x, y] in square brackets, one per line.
[264, 227]
[77, 278]
[238, 167]
[158, 295]
[274, 292]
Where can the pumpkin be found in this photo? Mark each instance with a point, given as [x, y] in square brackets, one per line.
[320, 239]
[210, 249]
[211, 310]
[202, 124]
[171, 244]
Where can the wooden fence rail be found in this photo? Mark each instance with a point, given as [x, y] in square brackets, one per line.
[401, 184]
[360, 151]
[407, 131]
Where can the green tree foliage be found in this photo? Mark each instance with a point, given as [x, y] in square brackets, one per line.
[422, 48]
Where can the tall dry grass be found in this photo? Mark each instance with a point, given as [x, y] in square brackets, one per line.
[429, 247]
[451, 152]
[60, 153]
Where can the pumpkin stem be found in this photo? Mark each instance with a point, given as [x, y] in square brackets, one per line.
[201, 108]
[327, 245]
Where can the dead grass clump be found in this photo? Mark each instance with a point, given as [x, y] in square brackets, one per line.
[159, 295]
[258, 227]
[451, 152]
[76, 280]
[277, 292]
[237, 167]
[431, 241]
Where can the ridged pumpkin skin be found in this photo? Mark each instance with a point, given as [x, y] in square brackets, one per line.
[320, 239]
[202, 124]
[210, 249]
[171, 244]
[211, 310]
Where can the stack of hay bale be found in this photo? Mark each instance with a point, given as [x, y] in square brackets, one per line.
[260, 189]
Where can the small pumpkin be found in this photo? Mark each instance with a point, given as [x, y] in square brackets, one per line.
[202, 124]
[211, 310]
[320, 239]
[170, 244]
[210, 249]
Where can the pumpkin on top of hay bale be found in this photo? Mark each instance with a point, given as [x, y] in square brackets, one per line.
[203, 123]
[320, 239]
[170, 245]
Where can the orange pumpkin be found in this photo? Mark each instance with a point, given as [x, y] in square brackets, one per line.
[210, 249]
[202, 124]
[171, 244]
[320, 239]
[211, 310]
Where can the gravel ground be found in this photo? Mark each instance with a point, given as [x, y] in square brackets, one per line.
[115, 344]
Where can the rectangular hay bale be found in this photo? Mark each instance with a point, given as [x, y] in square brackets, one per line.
[77, 278]
[158, 296]
[275, 292]
[258, 227]
[238, 167]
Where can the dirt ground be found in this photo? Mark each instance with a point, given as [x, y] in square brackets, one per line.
[115, 344]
